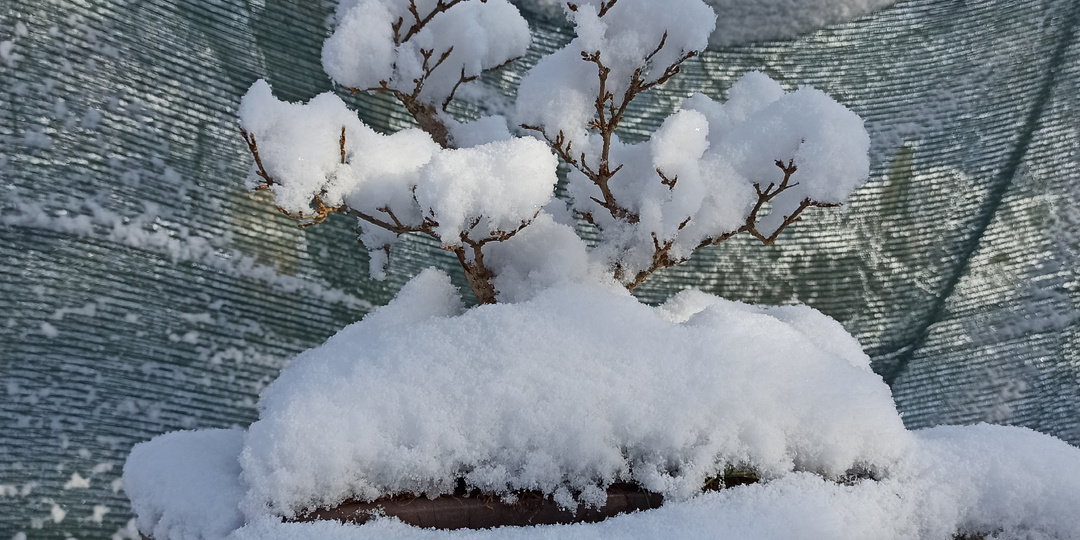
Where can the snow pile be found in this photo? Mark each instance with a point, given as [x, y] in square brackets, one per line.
[183, 485]
[1001, 482]
[566, 393]
[747, 21]
[582, 386]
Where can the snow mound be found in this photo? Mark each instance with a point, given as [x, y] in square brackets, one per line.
[579, 387]
[1012, 482]
[185, 485]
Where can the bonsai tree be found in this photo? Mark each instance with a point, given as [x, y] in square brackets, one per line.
[560, 386]
[712, 171]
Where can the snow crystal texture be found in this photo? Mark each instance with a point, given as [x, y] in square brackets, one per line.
[566, 393]
[184, 485]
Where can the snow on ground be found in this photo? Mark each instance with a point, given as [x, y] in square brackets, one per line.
[581, 386]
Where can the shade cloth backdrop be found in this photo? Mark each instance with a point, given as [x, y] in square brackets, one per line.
[142, 290]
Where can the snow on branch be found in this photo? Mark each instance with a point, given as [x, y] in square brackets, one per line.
[752, 165]
[399, 184]
[704, 176]
[422, 55]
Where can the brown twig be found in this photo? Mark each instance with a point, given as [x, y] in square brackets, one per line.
[768, 194]
[669, 182]
[425, 114]
[461, 80]
[661, 259]
[605, 6]
[249, 138]
[662, 250]
[765, 196]
[419, 22]
[341, 144]
[608, 114]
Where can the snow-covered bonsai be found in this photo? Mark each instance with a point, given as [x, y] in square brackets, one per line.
[560, 382]
[752, 165]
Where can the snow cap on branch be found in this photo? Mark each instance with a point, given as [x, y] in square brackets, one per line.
[631, 37]
[761, 125]
[321, 148]
[486, 190]
[712, 170]
[400, 42]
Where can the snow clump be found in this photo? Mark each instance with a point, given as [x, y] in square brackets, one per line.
[366, 51]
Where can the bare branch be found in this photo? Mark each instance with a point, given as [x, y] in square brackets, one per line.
[429, 68]
[249, 138]
[605, 6]
[608, 115]
[419, 22]
[321, 213]
[661, 259]
[669, 182]
[461, 80]
[662, 250]
[765, 196]
[341, 144]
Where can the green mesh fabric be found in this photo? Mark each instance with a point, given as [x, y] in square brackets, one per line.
[142, 290]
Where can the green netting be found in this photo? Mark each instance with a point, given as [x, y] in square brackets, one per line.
[142, 290]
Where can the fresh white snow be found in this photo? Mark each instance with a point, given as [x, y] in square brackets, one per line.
[184, 485]
[581, 386]
[568, 392]
[569, 384]
[362, 53]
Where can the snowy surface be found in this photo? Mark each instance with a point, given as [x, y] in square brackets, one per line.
[570, 391]
[1012, 482]
[975, 479]
[746, 21]
[583, 385]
